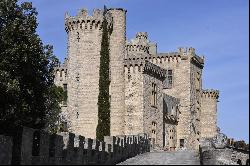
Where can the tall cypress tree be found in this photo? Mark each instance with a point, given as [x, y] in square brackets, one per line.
[103, 127]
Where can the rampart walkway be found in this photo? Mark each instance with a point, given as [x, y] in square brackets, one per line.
[164, 158]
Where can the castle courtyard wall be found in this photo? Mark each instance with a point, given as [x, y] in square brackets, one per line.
[153, 115]
[134, 100]
[180, 65]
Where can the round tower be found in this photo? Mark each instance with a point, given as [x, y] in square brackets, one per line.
[117, 84]
[209, 113]
[84, 45]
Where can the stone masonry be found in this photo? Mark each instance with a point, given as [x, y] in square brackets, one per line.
[141, 78]
[209, 113]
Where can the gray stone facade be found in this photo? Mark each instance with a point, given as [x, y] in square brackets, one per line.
[142, 82]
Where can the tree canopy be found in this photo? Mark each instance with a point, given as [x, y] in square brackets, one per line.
[27, 94]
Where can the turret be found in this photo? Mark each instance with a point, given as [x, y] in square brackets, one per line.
[84, 45]
[117, 84]
[140, 46]
[186, 51]
[209, 113]
[83, 21]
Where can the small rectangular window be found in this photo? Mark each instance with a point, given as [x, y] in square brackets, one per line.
[65, 91]
[168, 82]
[65, 87]
[181, 143]
[154, 95]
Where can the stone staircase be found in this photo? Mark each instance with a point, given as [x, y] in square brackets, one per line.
[165, 158]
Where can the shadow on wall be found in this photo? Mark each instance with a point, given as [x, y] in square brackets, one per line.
[29, 146]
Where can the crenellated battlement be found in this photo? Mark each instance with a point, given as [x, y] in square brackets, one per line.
[169, 57]
[137, 48]
[38, 147]
[161, 57]
[210, 93]
[140, 44]
[151, 68]
[63, 66]
[142, 35]
[186, 50]
[84, 21]
[61, 71]
[139, 65]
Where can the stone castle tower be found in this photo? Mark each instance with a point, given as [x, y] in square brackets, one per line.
[159, 94]
[209, 113]
[84, 45]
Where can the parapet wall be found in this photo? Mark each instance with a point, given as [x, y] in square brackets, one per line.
[218, 151]
[209, 113]
[28, 146]
[210, 93]
[140, 46]
[139, 65]
[84, 21]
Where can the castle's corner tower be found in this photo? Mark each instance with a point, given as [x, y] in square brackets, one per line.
[84, 45]
[117, 84]
[209, 113]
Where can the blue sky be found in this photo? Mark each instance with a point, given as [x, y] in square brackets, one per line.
[217, 29]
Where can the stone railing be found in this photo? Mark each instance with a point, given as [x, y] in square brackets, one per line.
[27, 146]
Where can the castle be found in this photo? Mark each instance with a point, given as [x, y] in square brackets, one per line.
[155, 93]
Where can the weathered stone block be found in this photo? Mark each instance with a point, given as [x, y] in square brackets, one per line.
[56, 146]
[22, 145]
[41, 154]
[79, 150]
[5, 150]
[219, 141]
[68, 148]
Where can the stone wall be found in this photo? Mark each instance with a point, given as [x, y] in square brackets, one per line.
[6, 144]
[133, 100]
[185, 64]
[117, 84]
[28, 146]
[141, 115]
[216, 151]
[195, 99]
[226, 156]
[209, 113]
[171, 117]
[84, 45]
[180, 65]
[61, 79]
[153, 114]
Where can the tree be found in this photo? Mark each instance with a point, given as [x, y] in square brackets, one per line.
[103, 127]
[27, 94]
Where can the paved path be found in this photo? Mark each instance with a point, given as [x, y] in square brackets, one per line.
[164, 158]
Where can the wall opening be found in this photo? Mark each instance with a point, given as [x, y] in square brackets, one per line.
[182, 143]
